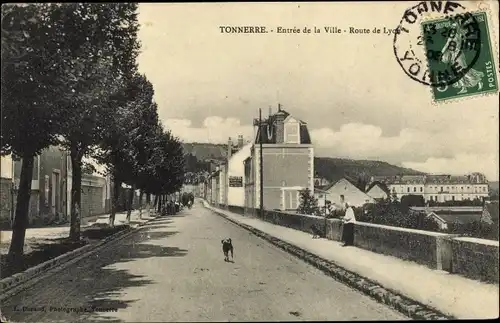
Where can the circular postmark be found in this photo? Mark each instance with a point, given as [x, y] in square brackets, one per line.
[434, 47]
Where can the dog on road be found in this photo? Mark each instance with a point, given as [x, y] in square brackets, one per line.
[227, 247]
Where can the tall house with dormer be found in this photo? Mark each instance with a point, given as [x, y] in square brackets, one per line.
[288, 163]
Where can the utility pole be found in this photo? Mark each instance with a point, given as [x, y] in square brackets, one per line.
[259, 123]
[261, 167]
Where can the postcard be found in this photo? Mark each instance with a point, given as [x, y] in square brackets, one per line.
[240, 161]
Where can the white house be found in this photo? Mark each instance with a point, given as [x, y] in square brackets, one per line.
[351, 194]
[236, 177]
[377, 191]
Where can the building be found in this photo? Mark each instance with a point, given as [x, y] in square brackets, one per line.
[378, 191]
[446, 216]
[348, 190]
[288, 163]
[50, 198]
[438, 188]
[320, 181]
[235, 178]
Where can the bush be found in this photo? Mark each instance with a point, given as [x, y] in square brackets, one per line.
[476, 229]
[393, 214]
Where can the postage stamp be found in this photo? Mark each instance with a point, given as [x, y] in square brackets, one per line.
[460, 46]
[447, 46]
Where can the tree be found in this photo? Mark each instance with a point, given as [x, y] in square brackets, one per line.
[308, 203]
[35, 85]
[128, 144]
[362, 181]
[411, 200]
[101, 39]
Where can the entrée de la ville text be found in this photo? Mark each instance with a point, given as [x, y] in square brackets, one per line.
[304, 30]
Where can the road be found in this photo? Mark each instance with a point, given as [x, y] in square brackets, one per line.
[174, 270]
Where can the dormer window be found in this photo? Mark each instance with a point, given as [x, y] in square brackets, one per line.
[292, 132]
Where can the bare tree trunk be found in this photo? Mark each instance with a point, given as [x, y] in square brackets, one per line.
[130, 203]
[114, 201]
[159, 204]
[76, 194]
[140, 203]
[21, 217]
[155, 204]
[148, 204]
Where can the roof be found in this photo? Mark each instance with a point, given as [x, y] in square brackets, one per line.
[460, 218]
[381, 185]
[269, 130]
[475, 178]
[452, 209]
[347, 178]
[492, 209]
[322, 187]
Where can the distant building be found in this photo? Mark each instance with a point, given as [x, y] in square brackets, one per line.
[348, 190]
[378, 191]
[320, 181]
[439, 188]
[235, 179]
[51, 188]
[446, 216]
[288, 163]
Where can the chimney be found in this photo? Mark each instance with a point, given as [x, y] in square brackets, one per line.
[229, 147]
[240, 141]
[270, 111]
[280, 126]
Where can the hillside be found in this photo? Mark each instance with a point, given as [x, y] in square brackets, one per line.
[330, 168]
[205, 151]
[334, 169]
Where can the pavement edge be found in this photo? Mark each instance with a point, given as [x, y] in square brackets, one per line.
[411, 308]
[16, 283]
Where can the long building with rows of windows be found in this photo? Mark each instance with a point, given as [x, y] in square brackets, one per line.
[439, 188]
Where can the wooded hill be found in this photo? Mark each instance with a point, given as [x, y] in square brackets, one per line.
[198, 156]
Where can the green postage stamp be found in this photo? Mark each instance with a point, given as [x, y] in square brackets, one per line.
[460, 56]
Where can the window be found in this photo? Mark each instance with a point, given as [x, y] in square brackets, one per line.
[441, 188]
[414, 189]
[432, 198]
[453, 198]
[292, 135]
[408, 189]
[421, 189]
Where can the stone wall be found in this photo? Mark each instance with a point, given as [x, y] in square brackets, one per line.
[5, 202]
[408, 244]
[92, 201]
[475, 258]
[470, 257]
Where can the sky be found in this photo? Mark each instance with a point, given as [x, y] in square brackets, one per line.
[349, 88]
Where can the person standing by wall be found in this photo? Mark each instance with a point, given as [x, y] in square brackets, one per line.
[348, 226]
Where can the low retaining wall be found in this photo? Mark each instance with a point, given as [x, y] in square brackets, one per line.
[470, 257]
[475, 258]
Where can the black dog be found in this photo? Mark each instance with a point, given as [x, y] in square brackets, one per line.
[227, 246]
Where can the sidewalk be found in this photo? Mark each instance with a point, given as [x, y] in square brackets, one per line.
[63, 231]
[452, 294]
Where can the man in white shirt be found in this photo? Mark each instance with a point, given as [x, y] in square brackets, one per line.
[348, 226]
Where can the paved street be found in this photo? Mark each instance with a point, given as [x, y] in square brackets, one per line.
[173, 270]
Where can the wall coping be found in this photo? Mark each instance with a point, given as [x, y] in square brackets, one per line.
[479, 241]
[388, 227]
